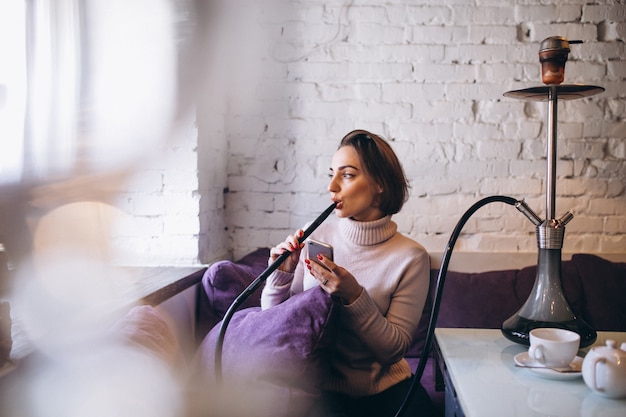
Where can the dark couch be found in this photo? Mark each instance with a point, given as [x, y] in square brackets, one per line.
[594, 287]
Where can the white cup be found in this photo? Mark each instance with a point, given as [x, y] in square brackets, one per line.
[553, 348]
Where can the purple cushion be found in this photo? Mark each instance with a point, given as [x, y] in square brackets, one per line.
[477, 299]
[469, 300]
[282, 351]
[222, 282]
[604, 289]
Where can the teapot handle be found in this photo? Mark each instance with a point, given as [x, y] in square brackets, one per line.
[593, 378]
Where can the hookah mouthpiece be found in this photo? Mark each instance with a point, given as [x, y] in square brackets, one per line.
[317, 222]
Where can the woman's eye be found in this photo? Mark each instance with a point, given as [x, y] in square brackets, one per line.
[346, 175]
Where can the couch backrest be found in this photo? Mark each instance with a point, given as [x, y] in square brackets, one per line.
[594, 287]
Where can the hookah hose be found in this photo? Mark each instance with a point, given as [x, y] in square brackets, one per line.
[241, 298]
[441, 278]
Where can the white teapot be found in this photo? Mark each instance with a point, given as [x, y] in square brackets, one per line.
[604, 370]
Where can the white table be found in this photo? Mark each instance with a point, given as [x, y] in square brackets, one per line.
[483, 381]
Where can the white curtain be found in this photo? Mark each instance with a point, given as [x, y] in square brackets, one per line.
[12, 89]
[54, 77]
[85, 85]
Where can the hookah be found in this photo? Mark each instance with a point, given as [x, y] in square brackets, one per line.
[546, 305]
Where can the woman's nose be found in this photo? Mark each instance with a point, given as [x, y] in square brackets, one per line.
[332, 185]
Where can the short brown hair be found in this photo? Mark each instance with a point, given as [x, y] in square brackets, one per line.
[383, 165]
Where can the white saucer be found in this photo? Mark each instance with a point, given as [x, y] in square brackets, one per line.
[522, 359]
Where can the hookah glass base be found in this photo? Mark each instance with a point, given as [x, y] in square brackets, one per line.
[546, 305]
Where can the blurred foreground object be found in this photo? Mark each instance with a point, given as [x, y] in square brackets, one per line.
[88, 90]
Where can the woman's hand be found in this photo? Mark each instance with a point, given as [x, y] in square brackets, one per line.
[290, 244]
[335, 280]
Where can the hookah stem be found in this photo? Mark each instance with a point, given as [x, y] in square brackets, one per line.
[551, 153]
[441, 278]
[241, 298]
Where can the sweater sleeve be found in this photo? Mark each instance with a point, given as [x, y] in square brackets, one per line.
[389, 336]
[276, 289]
[281, 285]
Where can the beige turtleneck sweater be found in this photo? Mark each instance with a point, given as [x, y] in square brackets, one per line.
[376, 330]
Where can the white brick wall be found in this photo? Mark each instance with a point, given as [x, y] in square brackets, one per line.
[431, 78]
[163, 200]
[289, 78]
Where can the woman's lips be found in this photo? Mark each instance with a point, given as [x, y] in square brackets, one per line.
[339, 205]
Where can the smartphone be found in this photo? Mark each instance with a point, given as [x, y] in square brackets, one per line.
[316, 247]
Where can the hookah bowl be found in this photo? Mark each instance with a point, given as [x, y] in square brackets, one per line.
[553, 56]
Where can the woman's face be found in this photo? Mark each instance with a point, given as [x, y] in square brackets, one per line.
[352, 188]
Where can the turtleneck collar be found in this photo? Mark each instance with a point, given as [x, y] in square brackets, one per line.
[368, 233]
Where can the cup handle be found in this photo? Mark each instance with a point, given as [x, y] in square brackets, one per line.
[536, 353]
[592, 373]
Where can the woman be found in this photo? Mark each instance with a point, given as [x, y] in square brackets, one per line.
[380, 275]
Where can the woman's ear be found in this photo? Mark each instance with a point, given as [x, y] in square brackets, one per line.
[378, 198]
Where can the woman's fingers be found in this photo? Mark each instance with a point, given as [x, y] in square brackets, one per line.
[320, 270]
[290, 244]
[334, 279]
